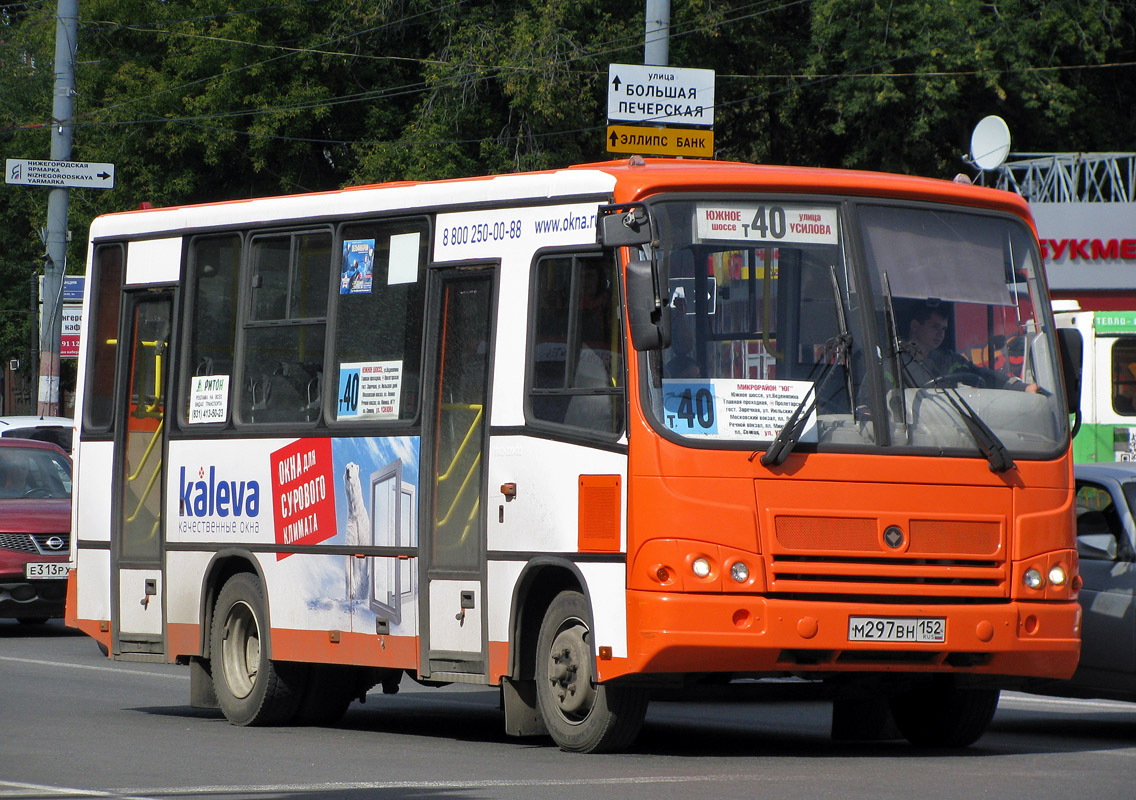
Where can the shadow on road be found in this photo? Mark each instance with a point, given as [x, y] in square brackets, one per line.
[754, 720]
[12, 629]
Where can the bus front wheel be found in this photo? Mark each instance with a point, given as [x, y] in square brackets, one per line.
[251, 689]
[581, 715]
[943, 714]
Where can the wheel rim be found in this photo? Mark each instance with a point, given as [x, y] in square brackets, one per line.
[240, 650]
[570, 672]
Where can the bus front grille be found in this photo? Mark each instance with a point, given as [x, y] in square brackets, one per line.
[933, 557]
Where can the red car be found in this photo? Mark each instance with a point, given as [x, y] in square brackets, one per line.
[35, 529]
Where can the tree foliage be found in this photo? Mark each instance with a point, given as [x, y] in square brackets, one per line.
[205, 100]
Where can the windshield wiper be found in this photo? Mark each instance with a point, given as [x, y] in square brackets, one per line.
[988, 442]
[836, 351]
[896, 347]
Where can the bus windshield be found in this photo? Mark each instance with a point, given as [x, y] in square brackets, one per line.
[909, 328]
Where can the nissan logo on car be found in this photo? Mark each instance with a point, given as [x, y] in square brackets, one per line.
[55, 543]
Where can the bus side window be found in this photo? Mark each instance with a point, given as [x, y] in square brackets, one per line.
[378, 322]
[107, 296]
[284, 336]
[214, 280]
[575, 354]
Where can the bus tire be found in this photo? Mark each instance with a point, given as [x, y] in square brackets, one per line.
[251, 689]
[941, 714]
[328, 694]
[582, 716]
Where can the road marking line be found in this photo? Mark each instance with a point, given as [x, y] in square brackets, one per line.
[154, 793]
[120, 670]
[489, 783]
[12, 789]
[1101, 705]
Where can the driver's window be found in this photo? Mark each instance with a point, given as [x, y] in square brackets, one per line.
[955, 342]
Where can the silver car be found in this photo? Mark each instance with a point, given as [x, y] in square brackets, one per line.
[1106, 542]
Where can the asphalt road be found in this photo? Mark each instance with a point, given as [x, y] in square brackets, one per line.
[75, 725]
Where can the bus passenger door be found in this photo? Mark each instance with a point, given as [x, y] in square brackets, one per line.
[455, 437]
[139, 476]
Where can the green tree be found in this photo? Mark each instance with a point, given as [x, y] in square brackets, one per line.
[508, 87]
[899, 85]
[26, 47]
[206, 100]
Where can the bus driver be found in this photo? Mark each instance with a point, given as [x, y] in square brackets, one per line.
[927, 330]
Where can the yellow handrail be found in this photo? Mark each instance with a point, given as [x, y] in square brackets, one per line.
[460, 492]
[469, 520]
[480, 409]
[473, 467]
[149, 448]
[157, 404]
[146, 494]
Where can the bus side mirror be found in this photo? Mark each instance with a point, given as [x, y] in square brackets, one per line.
[648, 314]
[624, 225]
[1070, 346]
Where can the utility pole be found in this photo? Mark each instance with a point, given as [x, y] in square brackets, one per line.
[55, 237]
[656, 42]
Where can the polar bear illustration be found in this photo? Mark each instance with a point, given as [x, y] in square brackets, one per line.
[358, 532]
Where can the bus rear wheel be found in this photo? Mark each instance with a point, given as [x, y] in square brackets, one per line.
[329, 692]
[251, 689]
[943, 714]
[582, 716]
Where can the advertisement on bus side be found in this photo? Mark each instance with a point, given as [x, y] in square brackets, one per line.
[289, 499]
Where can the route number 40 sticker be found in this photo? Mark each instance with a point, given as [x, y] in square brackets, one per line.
[734, 409]
[776, 224]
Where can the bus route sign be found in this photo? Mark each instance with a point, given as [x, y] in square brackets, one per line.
[79, 174]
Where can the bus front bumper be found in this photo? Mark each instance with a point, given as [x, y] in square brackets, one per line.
[692, 633]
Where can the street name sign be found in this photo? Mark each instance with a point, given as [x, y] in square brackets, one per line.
[79, 174]
[660, 141]
[73, 288]
[660, 95]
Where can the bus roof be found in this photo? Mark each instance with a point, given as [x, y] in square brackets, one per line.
[623, 180]
[676, 174]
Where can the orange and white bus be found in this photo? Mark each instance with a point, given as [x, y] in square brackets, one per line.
[579, 434]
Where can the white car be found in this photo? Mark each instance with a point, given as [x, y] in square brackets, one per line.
[57, 430]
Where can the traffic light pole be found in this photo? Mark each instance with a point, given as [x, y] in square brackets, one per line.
[55, 236]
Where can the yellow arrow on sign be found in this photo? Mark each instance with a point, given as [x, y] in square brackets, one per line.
[660, 141]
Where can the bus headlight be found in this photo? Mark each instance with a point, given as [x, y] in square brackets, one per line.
[739, 571]
[700, 567]
[1032, 579]
[1057, 575]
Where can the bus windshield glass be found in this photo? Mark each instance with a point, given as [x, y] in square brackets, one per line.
[774, 325]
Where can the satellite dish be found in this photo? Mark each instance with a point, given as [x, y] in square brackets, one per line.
[990, 143]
